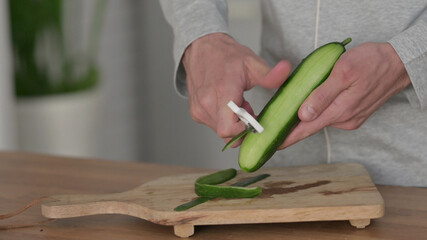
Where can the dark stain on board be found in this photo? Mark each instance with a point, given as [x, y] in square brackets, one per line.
[178, 221]
[277, 184]
[269, 192]
[360, 189]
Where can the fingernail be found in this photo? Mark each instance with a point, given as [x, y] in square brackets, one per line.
[308, 113]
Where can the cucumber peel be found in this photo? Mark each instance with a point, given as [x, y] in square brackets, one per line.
[206, 186]
[237, 137]
[242, 183]
[216, 191]
[217, 177]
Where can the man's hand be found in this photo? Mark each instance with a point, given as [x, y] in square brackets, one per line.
[219, 70]
[363, 79]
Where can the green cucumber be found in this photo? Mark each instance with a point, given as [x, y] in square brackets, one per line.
[206, 186]
[242, 183]
[280, 115]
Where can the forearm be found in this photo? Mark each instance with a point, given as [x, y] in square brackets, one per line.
[411, 46]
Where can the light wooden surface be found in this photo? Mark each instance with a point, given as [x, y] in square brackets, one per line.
[341, 191]
[24, 177]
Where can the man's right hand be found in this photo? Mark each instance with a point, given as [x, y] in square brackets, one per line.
[219, 69]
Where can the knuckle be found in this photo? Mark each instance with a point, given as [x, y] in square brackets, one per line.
[321, 98]
[223, 132]
[206, 101]
[358, 123]
[346, 116]
[221, 88]
[247, 66]
[254, 67]
[352, 125]
[348, 74]
[345, 111]
[336, 111]
[196, 114]
[248, 61]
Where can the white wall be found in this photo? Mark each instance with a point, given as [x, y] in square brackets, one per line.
[7, 101]
[119, 124]
[171, 134]
[144, 119]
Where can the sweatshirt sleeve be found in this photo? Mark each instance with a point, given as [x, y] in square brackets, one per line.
[190, 20]
[411, 46]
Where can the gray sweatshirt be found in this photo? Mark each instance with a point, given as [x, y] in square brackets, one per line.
[392, 143]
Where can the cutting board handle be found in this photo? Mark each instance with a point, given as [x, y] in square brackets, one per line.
[77, 205]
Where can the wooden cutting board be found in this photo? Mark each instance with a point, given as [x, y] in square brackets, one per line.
[342, 191]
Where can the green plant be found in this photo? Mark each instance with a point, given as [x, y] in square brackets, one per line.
[42, 66]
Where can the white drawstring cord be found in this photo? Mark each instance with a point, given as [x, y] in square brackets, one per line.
[325, 130]
[316, 29]
[328, 145]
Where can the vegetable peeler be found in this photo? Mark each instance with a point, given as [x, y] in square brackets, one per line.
[245, 117]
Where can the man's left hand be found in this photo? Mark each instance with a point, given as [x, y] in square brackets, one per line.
[362, 80]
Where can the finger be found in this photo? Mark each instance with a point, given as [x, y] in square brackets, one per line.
[236, 144]
[349, 125]
[256, 69]
[359, 118]
[199, 114]
[275, 77]
[228, 124]
[306, 129]
[206, 99]
[323, 95]
[352, 104]
[197, 111]
[248, 107]
[348, 115]
[302, 131]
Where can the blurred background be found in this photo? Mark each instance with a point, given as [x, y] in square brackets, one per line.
[93, 78]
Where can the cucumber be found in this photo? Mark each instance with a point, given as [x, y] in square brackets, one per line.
[280, 115]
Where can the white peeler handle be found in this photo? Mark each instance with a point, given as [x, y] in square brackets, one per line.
[245, 117]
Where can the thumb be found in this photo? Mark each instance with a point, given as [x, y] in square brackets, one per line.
[273, 78]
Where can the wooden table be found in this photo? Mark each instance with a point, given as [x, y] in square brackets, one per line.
[25, 177]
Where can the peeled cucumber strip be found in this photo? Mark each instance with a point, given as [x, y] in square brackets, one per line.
[242, 183]
[237, 137]
[206, 186]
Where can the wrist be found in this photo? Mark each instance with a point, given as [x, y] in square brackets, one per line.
[397, 64]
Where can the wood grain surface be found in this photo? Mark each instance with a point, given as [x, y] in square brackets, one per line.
[25, 177]
[340, 191]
